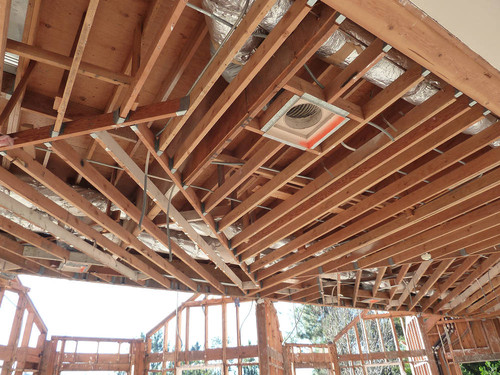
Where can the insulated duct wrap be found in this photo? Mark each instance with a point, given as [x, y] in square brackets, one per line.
[230, 11]
[100, 202]
[481, 125]
[185, 244]
[341, 49]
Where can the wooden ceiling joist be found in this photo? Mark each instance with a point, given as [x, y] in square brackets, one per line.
[108, 121]
[399, 188]
[69, 238]
[64, 62]
[44, 176]
[91, 174]
[163, 202]
[344, 172]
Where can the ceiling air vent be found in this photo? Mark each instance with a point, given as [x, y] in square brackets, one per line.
[305, 122]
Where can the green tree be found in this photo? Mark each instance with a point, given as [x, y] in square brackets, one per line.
[320, 324]
[481, 368]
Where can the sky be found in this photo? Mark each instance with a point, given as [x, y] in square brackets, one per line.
[77, 308]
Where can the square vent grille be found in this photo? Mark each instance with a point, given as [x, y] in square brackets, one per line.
[304, 122]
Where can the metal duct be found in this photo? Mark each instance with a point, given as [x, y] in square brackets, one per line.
[230, 10]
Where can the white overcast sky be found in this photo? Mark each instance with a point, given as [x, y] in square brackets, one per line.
[77, 308]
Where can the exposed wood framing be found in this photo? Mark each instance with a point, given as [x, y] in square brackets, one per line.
[396, 209]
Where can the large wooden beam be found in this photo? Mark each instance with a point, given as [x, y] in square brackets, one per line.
[87, 125]
[422, 39]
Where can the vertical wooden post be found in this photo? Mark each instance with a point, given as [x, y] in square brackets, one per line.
[224, 339]
[355, 327]
[238, 335]
[48, 358]
[15, 333]
[396, 342]
[165, 347]
[353, 370]
[428, 347]
[287, 364]
[269, 338]
[178, 343]
[25, 340]
[60, 357]
[262, 338]
[138, 350]
[334, 357]
[186, 341]
[206, 331]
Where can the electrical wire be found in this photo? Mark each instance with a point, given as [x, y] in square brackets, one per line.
[482, 290]
[348, 147]
[381, 129]
[246, 317]
[389, 124]
[326, 169]
[313, 76]
[296, 322]
[177, 320]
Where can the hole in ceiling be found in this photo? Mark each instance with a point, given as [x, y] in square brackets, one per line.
[303, 116]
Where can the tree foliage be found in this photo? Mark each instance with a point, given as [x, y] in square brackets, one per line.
[481, 368]
[320, 325]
